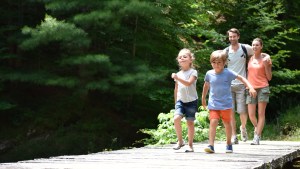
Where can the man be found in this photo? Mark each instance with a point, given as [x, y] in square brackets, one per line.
[237, 62]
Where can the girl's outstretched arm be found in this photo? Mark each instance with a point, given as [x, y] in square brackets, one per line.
[184, 82]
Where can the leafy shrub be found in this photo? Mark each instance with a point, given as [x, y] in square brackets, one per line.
[165, 132]
[285, 127]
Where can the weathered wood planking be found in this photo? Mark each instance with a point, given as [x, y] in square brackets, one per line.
[270, 154]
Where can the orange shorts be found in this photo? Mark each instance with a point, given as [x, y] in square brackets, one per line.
[224, 114]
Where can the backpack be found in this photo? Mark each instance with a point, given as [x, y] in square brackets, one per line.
[245, 54]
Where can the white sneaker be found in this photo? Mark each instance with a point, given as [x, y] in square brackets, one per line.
[244, 135]
[190, 149]
[234, 140]
[256, 140]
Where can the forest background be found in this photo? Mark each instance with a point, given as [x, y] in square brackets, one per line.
[83, 76]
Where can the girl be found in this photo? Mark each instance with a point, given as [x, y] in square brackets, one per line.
[185, 96]
[259, 73]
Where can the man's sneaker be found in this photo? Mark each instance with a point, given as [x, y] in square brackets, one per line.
[178, 146]
[256, 140]
[234, 140]
[229, 149]
[244, 135]
[209, 149]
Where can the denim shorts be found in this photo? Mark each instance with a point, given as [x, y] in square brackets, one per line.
[262, 96]
[238, 93]
[188, 109]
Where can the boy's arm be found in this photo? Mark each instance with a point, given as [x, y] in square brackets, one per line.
[252, 91]
[204, 93]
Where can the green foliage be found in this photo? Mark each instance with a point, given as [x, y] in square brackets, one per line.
[67, 63]
[40, 78]
[86, 60]
[286, 126]
[286, 81]
[6, 106]
[165, 133]
[52, 30]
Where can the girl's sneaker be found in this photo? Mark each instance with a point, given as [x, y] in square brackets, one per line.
[234, 140]
[209, 149]
[189, 150]
[229, 148]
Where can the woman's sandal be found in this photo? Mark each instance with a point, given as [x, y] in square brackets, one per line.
[178, 146]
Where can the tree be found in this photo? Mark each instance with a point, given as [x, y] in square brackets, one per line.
[264, 19]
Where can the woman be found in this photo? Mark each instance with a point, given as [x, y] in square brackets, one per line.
[259, 75]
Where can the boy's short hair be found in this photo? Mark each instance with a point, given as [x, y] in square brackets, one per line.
[218, 55]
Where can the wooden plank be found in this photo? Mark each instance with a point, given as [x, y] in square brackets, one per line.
[270, 154]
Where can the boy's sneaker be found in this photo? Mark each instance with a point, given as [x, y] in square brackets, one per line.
[209, 149]
[229, 148]
[244, 135]
[178, 146]
[234, 140]
[256, 140]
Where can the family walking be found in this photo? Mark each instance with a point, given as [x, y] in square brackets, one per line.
[240, 87]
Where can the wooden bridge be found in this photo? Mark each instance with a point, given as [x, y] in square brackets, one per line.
[268, 155]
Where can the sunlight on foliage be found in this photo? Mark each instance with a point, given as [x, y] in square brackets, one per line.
[87, 59]
[98, 85]
[52, 30]
[6, 106]
[41, 78]
[165, 132]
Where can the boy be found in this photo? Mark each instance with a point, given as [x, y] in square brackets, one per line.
[218, 82]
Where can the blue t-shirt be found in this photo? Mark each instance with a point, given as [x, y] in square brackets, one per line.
[220, 91]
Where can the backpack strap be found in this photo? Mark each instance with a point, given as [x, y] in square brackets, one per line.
[245, 50]
[247, 57]
[227, 50]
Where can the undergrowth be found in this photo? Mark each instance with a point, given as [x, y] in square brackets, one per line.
[284, 128]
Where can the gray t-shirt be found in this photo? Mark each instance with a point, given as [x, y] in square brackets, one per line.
[237, 61]
[187, 93]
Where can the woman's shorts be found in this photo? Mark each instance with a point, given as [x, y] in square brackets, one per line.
[188, 109]
[262, 96]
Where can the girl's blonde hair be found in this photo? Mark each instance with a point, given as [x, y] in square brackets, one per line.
[189, 53]
[218, 55]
